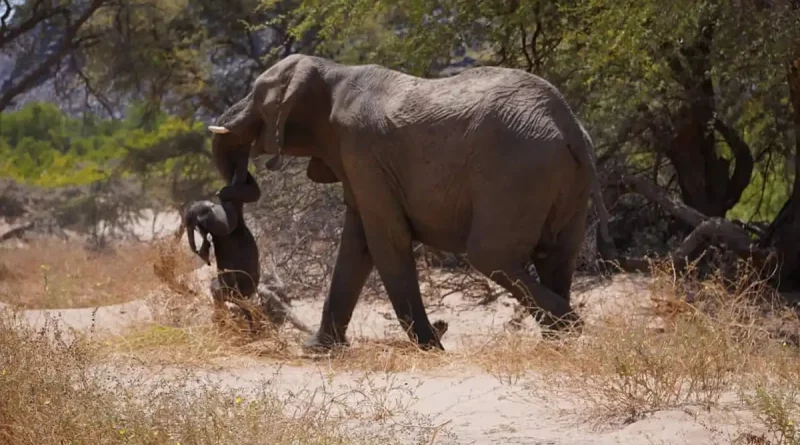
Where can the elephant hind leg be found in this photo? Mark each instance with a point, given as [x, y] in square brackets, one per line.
[507, 268]
[556, 265]
[500, 248]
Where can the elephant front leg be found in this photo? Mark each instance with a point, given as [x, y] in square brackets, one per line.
[353, 265]
[390, 244]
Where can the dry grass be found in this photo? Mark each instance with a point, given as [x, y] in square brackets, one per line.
[699, 341]
[62, 274]
[702, 342]
[55, 391]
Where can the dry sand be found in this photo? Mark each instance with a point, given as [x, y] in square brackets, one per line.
[475, 407]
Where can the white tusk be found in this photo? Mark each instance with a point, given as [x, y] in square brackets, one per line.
[218, 130]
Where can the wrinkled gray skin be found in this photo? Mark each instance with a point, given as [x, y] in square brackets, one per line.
[490, 162]
[237, 258]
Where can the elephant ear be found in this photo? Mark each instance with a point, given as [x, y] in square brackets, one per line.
[299, 78]
[262, 115]
[318, 172]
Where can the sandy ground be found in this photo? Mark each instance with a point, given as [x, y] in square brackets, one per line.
[475, 407]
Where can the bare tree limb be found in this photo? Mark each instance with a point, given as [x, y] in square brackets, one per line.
[714, 229]
[524, 37]
[705, 229]
[4, 18]
[68, 44]
[17, 231]
[673, 206]
[8, 35]
[744, 162]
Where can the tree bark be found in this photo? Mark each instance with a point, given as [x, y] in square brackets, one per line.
[703, 176]
[784, 234]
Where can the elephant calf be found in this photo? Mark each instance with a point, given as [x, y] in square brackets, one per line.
[236, 254]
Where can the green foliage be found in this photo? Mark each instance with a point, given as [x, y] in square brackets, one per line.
[764, 197]
[622, 64]
[778, 408]
[42, 146]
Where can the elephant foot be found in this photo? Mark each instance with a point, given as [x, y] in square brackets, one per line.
[322, 343]
[433, 339]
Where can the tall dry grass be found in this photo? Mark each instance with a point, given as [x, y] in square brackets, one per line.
[55, 390]
[49, 274]
[714, 342]
[711, 342]
[697, 341]
[701, 341]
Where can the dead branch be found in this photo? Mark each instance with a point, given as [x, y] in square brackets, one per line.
[654, 193]
[70, 42]
[277, 310]
[17, 232]
[717, 230]
[720, 230]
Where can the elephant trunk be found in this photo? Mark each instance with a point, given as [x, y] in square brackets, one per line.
[204, 248]
[190, 235]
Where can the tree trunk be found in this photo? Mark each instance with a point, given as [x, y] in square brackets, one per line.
[703, 176]
[784, 234]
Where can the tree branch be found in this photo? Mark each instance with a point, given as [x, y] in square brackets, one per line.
[743, 170]
[525, 47]
[17, 232]
[52, 60]
[716, 229]
[654, 193]
[6, 15]
[9, 35]
[90, 89]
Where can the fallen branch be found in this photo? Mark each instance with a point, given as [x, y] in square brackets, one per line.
[277, 309]
[17, 232]
[717, 230]
[654, 193]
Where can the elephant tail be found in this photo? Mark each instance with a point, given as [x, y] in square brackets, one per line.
[584, 151]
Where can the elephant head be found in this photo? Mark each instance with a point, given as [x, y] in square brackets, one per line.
[286, 112]
[206, 217]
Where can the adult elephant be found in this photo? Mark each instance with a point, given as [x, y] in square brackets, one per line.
[491, 162]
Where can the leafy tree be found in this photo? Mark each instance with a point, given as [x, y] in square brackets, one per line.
[40, 35]
[690, 96]
[694, 104]
[42, 146]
